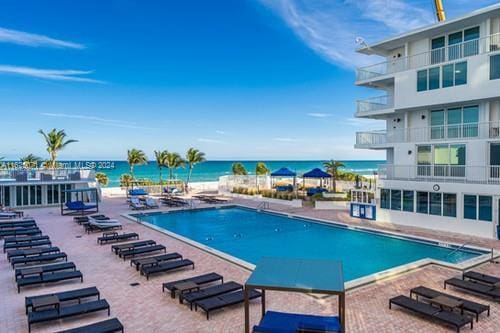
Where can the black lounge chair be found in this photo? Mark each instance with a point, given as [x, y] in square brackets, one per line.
[166, 266]
[67, 311]
[39, 259]
[142, 250]
[15, 240]
[20, 224]
[48, 278]
[65, 296]
[146, 261]
[208, 292]
[469, 306]
[31, 252]
[222, 301]
[117, 238]
[129, 246]
[107, 326]
[199, 280]
[25, 245]
[20, 232]
[480, 277]
[475, 287]
[428, 311]
[27, 271]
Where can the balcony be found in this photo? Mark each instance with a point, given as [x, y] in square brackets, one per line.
[436, 56]
[441, 173]
[471, 131]
[26, 175]
[375, 105]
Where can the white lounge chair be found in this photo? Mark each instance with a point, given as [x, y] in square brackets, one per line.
[7, 215]
[151, 203]
[136, 204]
[103, 224]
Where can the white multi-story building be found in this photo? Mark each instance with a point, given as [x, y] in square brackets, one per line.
[441, 108]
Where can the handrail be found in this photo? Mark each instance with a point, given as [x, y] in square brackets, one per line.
[457, 249]
[264, 205]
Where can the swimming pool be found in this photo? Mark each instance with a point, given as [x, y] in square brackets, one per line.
[249, 234]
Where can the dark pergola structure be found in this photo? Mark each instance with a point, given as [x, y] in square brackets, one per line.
[284, 173]
[78, 205]
[312, 276]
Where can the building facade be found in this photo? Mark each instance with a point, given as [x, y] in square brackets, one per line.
[441, 107]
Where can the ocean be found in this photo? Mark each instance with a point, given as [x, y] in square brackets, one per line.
[212, 170]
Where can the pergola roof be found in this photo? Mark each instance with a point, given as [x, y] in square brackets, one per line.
[317, 173]
[283, 172]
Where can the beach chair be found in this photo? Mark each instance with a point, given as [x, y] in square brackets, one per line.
[20, 232]
[19, 224]
[65, 311]
[31, 252]
[428, 311]
[480, 277]
[64, 296]
[128, 246]
[219, 302]
[136, 204]
[474, 287]
[44, 278]
[27, 271]
[208, 292]
[142, 250]
[151, 261]
[166, 266]
[107, 326]
[38, 259]
[28, 244]
[115, 237]
[151, 203]
[282, 322]
[199, 280]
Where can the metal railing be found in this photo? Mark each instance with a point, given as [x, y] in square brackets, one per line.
[442, 173]
[467, 131]
[374, 104]
[45, 175]
[453, 52]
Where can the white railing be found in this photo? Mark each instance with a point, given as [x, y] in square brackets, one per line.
[442, 173]
[486, 130]
[19, 174]
[454, 52]
[374, 104]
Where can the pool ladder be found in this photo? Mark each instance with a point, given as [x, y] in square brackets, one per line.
[264, 205]
[457, 249]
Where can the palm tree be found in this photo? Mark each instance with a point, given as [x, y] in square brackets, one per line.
[193, 157]
[172, 162]
[55, 142]
[161, 160]
[30, 161]
[332, 167]
[102, 178]
[125, 180]
[260, 170]
[135, 157]
[238, 169]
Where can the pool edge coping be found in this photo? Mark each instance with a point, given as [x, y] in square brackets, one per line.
[351, 284]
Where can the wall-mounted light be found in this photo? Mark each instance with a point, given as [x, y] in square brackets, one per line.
[409, 152]
[398, 120]
[423, 116]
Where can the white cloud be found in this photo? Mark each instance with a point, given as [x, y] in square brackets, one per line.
[331, 27]
[97, 120]
[49, 74]
[286, 139]
[319, 115]
[35, 40]
[220, 132]
[207, 140]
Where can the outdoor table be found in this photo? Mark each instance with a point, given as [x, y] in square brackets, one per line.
[186, 287]
[31, 271]
[447, 302]
[47, 301]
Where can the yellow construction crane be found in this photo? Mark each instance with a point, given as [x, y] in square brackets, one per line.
[441, 16]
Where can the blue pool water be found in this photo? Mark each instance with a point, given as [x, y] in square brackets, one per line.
[249, 235]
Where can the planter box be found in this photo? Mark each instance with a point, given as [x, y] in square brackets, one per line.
[296, 203]
[332, 205]
[334, 195]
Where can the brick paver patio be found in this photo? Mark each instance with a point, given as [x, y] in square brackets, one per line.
[144, 308]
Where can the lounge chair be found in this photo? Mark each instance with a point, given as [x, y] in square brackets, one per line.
[136, 204]
[142, 250]
[431, 312]
[128, 246]
[199, 280]
[48, 278]
[166, 266]
[38, 259]
[67, 311]
[21, 224]
[27, 271]
[475, 287]
[151, 203]
[293, 322]
[208, 292]
[65, 296]
[218, 302]
[150, 261]
[20, 232]
[14, 240]
[107, 326]
[480, 277]
[102, 224]
[7, 215]
[137, 192]
[117, 237]
[24, 245]
[31, 252]
[469, 306]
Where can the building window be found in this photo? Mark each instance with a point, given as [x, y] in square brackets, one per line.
[460, 73]
[448, 75]
[450, 205]
[385, 198]
[424, 160]
[478, 207]
[470, 121]
[435, 204]
[454, 123]
[470, 207]
[395, 199]
[437, 124]
[422, 80]
[454, 74]
[485, 208]
[459, 122]
[495, 67]
[423, 202]
[455, 45]
[495, 160]
[434, 78]
[408, 201]
[438, 50]
[471, 42]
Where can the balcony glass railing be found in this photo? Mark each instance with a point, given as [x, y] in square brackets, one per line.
[45, 175]
[462, 50]
[489, 174]
[374, 104]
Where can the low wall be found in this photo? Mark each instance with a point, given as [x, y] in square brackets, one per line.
[296, 203]
[332, 205]
[195, 187]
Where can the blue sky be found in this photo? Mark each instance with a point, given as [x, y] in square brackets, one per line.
[247, 79]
